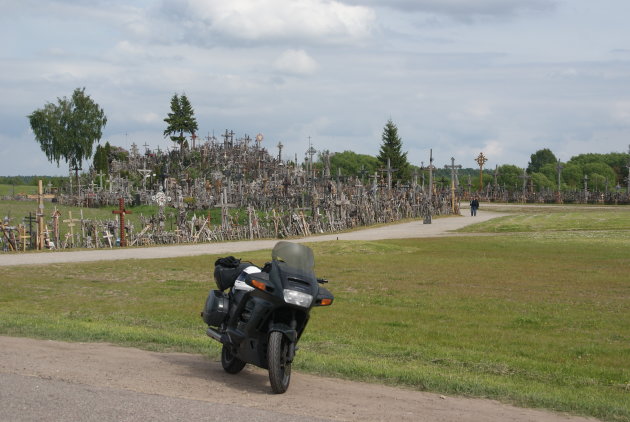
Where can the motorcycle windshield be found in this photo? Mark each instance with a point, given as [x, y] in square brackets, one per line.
[294, 255]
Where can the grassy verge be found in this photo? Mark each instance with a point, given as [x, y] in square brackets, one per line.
[560, 219]
[537, 319]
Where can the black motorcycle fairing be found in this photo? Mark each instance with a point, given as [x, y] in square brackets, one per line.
[277, 303]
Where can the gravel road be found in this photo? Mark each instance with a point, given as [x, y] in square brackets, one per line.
[414, 229]
[51, 380]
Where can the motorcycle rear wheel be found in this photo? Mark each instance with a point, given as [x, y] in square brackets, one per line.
[231, 364]
[277, 360]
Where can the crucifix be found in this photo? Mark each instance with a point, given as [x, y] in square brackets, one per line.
[121, 211]
[481, 160]
[280, 146]
[454, 167]
[389, 170]
[310, 152]
[145, 173]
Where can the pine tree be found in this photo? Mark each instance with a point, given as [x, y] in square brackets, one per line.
[100, 162]
[180, 120]
[391, 149]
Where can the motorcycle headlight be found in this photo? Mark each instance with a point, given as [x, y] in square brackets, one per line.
[297, 298]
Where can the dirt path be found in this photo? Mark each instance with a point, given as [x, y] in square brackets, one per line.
[414, 229]
[131, 384]
[110, 371]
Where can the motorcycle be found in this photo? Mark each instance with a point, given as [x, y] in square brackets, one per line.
[261, 317]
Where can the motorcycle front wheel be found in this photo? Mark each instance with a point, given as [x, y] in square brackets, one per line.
[277, 360]
[231, 363]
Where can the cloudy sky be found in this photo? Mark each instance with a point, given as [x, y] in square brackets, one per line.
[506, 77]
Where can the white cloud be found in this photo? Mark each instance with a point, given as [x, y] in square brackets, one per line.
[317, 21]
[295, 62]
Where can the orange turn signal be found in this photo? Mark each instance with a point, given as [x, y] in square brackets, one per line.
[259, 285]
[325, 302]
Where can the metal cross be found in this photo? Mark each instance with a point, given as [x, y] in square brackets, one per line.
[481, 160]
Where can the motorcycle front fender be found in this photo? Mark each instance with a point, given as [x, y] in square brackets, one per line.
[288, 332]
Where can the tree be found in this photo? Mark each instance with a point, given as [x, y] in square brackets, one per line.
[602, 164]
[603, 171]
[101, 158]
[352, 163]
[509, 176]
[572, 175]
[69, 128]
[539, 159]
[180, 120]
[391, 149]
[541, 181]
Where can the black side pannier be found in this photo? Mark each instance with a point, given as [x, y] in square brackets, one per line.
[216, 308]
[226, 270]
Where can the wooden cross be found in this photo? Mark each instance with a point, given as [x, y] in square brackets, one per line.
[40, 212]
[225, 215]
[108, 236]
[121, 211]
[389, 170]
[23, 236]
[71, 225]
[55, 217]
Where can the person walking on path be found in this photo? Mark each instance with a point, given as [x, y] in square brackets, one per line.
[474, 205]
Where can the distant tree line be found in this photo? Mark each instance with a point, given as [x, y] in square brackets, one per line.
[69, 129]
[56, 181]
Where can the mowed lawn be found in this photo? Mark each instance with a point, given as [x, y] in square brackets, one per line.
[538, 319]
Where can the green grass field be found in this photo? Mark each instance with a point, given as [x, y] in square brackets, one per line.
[536, 318]
[535, 219]
[6, 190]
